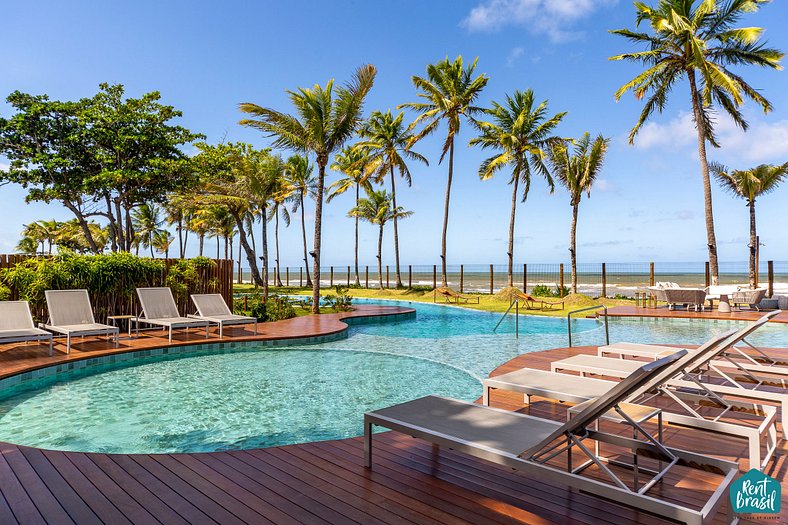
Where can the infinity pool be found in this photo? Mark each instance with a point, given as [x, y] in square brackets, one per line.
[255, 396]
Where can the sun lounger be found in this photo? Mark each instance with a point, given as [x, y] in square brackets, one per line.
[532, 303]
[212, 308]
[17, 326]
[159, 309]
[544, 448]
[450, 296]
[70, 314]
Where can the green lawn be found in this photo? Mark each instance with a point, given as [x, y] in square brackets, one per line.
[489, 303]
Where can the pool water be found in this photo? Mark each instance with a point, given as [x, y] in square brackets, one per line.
[258, 396]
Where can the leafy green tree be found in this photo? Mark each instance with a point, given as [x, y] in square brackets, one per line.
[352, 162]
[376, 208]
[449, 92]
[388, 144]
[749, 185]
[577, 170]
[147, 222]
[302, 184]
[327, 117]
[698, 41]
[522, 134]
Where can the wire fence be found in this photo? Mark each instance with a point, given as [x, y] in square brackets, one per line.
[594, 279]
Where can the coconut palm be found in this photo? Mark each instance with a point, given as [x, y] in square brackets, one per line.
[301, 184]
[327, 117]
[178, 209]
[27, 245]
[449, 92]
[388, 143]
[377, 208]
[200, 225]
[221, 226]
[147, 222]
[698, 41]
[522, 133]
[162, 240]
[279, 208]
[577, 171]
[352, 162]
[749, 185]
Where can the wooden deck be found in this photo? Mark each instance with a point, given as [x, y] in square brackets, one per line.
[411, 482]
[664, 312]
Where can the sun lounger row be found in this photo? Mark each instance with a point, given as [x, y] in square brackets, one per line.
[71, 315]
[543, 448]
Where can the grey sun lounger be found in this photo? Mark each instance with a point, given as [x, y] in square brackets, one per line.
[70, 314]
[544, 449]
[212, 308]
[17, 326]
[159, 309]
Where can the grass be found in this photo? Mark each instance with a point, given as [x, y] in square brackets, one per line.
[489, 303]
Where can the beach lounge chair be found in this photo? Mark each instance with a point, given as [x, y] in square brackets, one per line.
[16, 324]
[159, 309]
[70, 314]
[450, 296]
[544, 449]
[748, 297]
[532, 303]
[212, 308]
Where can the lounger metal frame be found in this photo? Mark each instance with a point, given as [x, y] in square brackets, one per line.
[107, 330]
[183, 322]
[233, 321]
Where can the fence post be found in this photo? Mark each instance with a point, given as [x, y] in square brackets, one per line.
[462, 276]
[387, 276]
[348, 276]
[410, 276]
[366, 277]
[604, 280]
[434, 276]
[770, 266]
[525, 278]
[561, 277]
[331, 279]
[651, 274]
[491, 279]
[708, 275]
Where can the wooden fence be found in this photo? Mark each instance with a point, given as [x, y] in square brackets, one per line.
[217, 278]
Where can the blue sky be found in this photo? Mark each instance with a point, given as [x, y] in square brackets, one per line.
[206, 57]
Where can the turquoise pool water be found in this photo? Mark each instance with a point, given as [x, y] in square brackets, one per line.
[257, 396]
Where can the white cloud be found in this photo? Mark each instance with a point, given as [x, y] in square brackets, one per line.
[553, 18]
[514, 54]
[763, 142]
[604, 185]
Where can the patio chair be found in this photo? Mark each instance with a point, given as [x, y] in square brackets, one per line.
[451, 296]
[159, 309]
[531, 302]
[70, 314]
[16, 324]
[212, 308]
[535, 446]
[691, 297]
[747, 297]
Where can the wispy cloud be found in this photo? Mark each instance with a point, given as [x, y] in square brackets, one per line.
[514, 55]
[554, 18]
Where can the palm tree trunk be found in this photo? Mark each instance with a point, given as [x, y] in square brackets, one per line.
[303, 235]
[180, 237]
[250, 254]
[202, 243]
[218, 245]
[380, 258]
[358, 281]
[226, 247]
[276, 238]
[321, 181]
[263, 214]
[150, 245]
[510, 253]
[573, 247]
[753, 245]
[704, 169]
[444, 282]
[396, 236]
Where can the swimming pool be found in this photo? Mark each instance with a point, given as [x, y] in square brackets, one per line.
[255, 396]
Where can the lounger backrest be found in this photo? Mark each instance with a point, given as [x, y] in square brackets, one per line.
[618, 394]
[209, 304]
[15, 315]
[157, 303]
[735, 338]
[69, 307]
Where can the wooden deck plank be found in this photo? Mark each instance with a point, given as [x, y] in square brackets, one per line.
[15, 504]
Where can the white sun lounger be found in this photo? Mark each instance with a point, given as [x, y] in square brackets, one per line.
[212, 308]
[17, 326]
[543, 448]
[159, 309]
[70, 314]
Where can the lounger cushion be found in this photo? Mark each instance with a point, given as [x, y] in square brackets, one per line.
[502, 431]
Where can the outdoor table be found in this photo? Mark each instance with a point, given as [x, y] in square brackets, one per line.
[724, 305]
[127, 318]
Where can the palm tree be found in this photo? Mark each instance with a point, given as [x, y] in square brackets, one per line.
[162, 240]
[576, 171]
[302, 183]
[377, 208]
[177, 212]
[200, 225]
[326, 119]
[698, 42]
[27, 245]
[750, 184]
[388, 144]
[523, 134]
[279, 208]
[449, 91]
[147, 222]
[352, 162]
[221, 226]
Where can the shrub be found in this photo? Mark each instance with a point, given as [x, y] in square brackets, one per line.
[341, 301]
[276, 308]
[540, 290]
